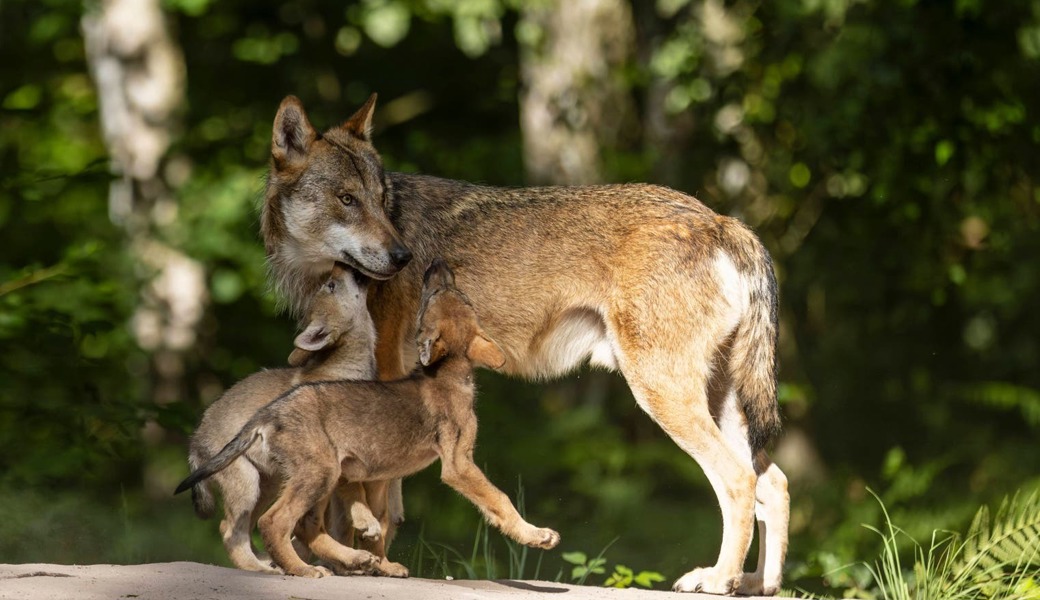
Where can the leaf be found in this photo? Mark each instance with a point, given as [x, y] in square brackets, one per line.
[621, 578]
[647, 579]
[575, 558]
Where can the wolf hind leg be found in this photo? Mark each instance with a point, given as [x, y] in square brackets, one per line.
[670, 379]
[772, 510]
[772, 503]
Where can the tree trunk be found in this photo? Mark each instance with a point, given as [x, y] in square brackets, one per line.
[138, 69]
[573, 99]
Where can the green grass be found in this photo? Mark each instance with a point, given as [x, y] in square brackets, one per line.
[997, 559]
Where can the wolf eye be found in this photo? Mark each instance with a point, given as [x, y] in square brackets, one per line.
[346, 198]
[331, 285]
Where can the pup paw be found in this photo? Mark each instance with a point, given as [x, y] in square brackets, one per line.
[709, 581]
[387, 568]
[310, 572]
[363, 562]
[371, 532]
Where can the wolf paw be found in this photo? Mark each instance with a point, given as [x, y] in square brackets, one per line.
[387, 568]
[544, 538]
[709, 581]
[311, 572]
[372, 532]
[753, 584]
[360, 562]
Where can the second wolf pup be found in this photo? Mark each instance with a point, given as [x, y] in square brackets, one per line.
[379, 431]
[338, 343]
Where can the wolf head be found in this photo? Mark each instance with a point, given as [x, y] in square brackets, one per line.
[327, 200]
[447, 323]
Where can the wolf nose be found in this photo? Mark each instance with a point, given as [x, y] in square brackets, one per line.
[400, 256]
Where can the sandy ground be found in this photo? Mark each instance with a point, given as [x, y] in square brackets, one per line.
[186, 580]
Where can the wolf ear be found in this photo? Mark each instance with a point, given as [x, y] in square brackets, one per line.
[310, 340]
[438, 274]
[293, 134]
[315, 337]
[359, 124]
[298, 357]
[483, 351]
[431, 350]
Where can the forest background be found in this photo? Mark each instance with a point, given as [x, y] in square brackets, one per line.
[886, 153]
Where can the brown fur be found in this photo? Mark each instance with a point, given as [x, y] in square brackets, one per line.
[338, 343]
[375, 431]
[638, 278]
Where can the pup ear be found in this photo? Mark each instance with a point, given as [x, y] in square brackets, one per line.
[431, 350]
[483, 351]
[293, 134]
[298, 357]
[438, 274]
[360, 123]
[314, 338]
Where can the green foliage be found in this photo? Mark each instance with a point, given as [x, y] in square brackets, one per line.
[623, 577]
[996, 559]
[585, 566]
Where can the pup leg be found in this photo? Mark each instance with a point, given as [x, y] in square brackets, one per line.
[377, 494]
[358, 515]
[300, 493]
[772, 509]
[240, 488]
[390, 363]
[337, 519]
[395, 505]
[459, 471]
[343, 560]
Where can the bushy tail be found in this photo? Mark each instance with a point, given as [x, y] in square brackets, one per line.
[245, 438]
[201, 493]
[753, 361]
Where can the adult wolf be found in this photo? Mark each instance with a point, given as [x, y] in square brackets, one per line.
[638, 278]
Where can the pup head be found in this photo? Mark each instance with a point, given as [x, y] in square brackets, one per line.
[448, 324]
[327, 200]
[339, 309]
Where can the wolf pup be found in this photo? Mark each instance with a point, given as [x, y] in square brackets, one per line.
[378, 431]
[338, 343]
[637, 278]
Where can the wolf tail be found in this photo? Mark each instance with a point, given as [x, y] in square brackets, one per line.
[753, 360]
[201, 493]
[235, 448]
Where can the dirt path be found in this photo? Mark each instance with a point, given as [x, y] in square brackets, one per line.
[185, 580]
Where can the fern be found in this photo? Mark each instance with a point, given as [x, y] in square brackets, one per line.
[999, 558]
[1011, 542]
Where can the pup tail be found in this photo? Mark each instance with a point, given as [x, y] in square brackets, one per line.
[201, 493]
[235, 448]
[753, 361]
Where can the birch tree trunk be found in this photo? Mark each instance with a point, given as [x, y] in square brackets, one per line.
[573, 100]
[139, 71]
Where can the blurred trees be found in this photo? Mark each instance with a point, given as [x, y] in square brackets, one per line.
[885, 151]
